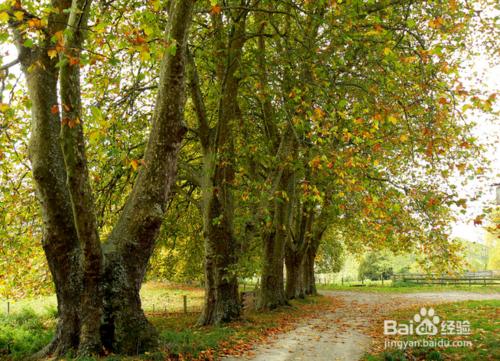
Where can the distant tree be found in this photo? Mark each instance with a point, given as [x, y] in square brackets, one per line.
[375, 266]
[331, 254]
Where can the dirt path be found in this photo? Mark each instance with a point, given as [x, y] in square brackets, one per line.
[343, 335]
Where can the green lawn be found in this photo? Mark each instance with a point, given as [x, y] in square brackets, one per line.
[155, 296]
[484, 317]
[30, 323]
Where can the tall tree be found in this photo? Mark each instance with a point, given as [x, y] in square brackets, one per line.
[49, 52]
[218, 165]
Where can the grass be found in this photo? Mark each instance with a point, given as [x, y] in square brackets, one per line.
[163, 297]
[155, 297]
[24, 331]
[485, 326]
[412, 288]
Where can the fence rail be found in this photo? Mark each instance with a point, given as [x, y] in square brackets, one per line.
[470, 278]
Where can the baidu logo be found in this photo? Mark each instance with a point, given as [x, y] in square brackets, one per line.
[427, 323]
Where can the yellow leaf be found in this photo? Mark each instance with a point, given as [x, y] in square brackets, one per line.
[4, 107]
[403, 138]
[4, 17]
[392, 119]
[387, 51]
[52, 53]
[315, 163]
[148, 30]
[19, 15]
[318, 113]
[59, 35]
[436, 23]
[145, 55]
[134, 164]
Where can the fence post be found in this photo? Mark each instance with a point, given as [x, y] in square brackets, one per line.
[184, 299]
[342, 280]
[382, 279]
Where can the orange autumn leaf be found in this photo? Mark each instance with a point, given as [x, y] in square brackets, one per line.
[216, 9]
[73, 122]
[134, 164]
[74, 61]
[35, 23]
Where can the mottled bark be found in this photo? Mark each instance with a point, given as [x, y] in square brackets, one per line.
[308, 272]
[73, 145]
[131, 243]
[221, 245]
[59, 240]
[296, 247]
[221, 284]
[125, 328]
[70, 239]
[272, 292]
[294, 262]
[318, 229]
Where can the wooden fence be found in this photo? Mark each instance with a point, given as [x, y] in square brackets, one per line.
[469, 278]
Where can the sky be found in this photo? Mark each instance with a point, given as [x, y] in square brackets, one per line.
[487, 131]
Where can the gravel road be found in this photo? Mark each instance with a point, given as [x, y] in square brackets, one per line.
[343, 334]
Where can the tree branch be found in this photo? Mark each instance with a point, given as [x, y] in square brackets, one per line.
[10, 64]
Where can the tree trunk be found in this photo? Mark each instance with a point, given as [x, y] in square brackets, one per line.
[131, 243]
[222, 302]
[67, 278]
[308, 271]
[272, 293]
[221, 284]
[294, 262]
[60, 241]
[82, 202]
[125, 328]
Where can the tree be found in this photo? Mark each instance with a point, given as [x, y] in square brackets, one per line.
[375, 266]
[217, 172]
[94, 281]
